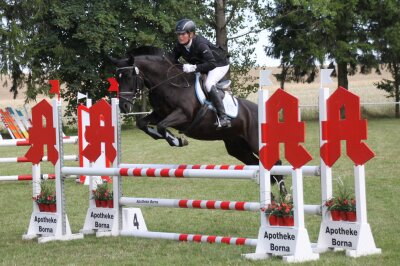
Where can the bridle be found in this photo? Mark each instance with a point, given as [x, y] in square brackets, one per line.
[130, 96]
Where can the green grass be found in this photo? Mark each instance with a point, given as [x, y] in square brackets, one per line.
[383, 185]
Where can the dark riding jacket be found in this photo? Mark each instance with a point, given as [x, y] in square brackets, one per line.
[202, 53]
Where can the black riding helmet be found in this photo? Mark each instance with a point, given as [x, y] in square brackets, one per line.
[185, 25]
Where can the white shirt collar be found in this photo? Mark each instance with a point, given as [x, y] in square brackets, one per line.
[187, 46]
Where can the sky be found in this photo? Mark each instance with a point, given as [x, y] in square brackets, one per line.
[261, 58]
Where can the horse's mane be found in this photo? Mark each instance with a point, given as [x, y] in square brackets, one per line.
[149, 50]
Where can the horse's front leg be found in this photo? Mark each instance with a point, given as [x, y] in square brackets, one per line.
[144, 125]
[176, 118]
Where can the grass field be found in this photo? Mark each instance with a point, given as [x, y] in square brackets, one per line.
[383, 184]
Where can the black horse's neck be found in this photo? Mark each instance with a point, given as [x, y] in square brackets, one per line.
[158, 71]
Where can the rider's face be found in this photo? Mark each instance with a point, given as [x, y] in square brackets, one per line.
[183, 38]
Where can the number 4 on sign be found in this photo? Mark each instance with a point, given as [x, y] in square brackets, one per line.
[132, 220]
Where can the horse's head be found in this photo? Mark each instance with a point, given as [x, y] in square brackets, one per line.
[129, 80]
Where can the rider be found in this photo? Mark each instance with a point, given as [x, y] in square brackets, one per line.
[204, 57]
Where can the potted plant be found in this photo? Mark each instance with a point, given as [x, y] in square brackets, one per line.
[332, 206]
[287, 210]
[272, 213]
[101, 195]
[342, 207]
[280, 213]
[46, 199]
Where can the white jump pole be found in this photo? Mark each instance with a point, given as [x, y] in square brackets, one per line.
[355, 237]
[25, 160]
[265, 175]
[48, 226]
[25, 142]
[295, 246]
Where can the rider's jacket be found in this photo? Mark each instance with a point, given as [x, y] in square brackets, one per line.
[202, 53]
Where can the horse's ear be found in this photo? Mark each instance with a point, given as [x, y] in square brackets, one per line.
[131, 60]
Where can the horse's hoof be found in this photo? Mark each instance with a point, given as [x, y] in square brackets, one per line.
[183, 142]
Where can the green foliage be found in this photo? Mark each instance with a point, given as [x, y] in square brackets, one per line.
[304, 34]
[386, 38]
[102, 192]
[68, 40]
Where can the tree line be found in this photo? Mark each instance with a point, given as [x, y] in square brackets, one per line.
[69, 40]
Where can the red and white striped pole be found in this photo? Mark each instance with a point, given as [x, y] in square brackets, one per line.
[192, 238]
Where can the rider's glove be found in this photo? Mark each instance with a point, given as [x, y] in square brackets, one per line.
[188, 68]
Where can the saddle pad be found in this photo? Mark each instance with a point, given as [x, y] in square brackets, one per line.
[230, 103]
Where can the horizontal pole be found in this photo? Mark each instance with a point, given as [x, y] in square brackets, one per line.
[193, 204]
[192, 238]
[192, 166]
[25, 142]
[313, 209]
[45, 159]
[161, 172]
[28, 177]
[276, 170]
[204, 204]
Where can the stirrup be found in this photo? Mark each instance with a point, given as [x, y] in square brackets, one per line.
[223, 123]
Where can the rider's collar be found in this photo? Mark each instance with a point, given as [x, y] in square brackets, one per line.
[187, 46]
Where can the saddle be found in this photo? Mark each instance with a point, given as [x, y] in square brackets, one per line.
[222, 86]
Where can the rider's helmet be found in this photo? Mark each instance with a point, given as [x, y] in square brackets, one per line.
[185, 25]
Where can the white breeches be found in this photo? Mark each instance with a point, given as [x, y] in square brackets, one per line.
[215, 75]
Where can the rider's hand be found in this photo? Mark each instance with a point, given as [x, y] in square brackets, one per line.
[188, 68]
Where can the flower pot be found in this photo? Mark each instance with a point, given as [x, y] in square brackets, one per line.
[273, 220]
[335, 215]
[351, 216]
[103, 203]
[98, 204]
[281, 222]
[52, 207]
[46, 207]
[110, 203]
[41, 207]
[343, 215]
[288, 220]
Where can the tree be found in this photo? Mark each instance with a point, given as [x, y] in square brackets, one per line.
[68, 40]
[294, 40]
[14, 37]
[228, 22]
[310, 31]
[387, 41]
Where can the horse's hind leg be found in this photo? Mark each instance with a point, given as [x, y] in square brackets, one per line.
[241, 150]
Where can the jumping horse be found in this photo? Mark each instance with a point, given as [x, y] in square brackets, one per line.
[175, 105]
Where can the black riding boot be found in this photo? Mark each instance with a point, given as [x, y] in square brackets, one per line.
[224, 120]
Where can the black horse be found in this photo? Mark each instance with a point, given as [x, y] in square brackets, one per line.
[175, 105]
